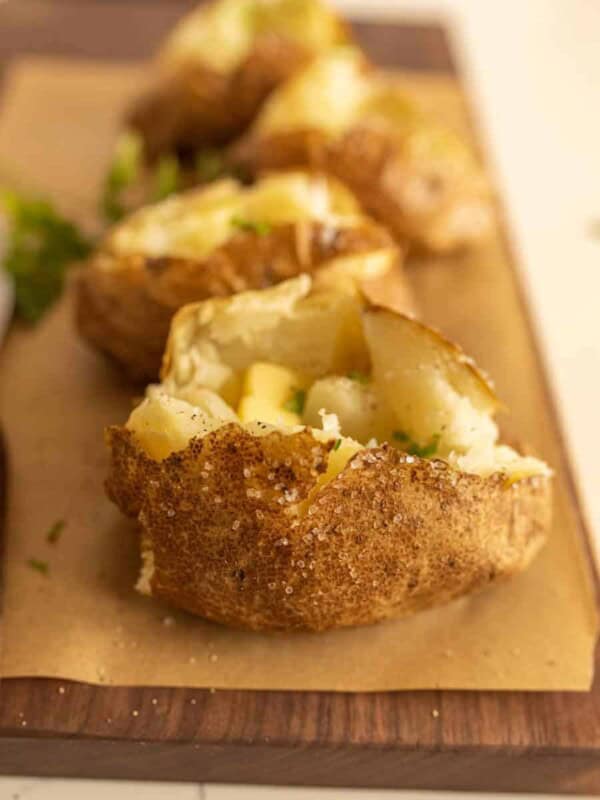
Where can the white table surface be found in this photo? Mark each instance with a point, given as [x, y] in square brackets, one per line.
[533, 71]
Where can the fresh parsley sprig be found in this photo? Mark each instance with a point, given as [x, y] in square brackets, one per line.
[41, 245]
[167, 177]
[123, 172]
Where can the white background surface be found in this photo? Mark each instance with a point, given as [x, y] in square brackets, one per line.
[533, 71]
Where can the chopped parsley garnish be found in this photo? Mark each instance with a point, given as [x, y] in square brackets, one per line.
[427, 450]
[41, 245]
[251, 226]
[337, 444]
[358, 376]
[122, 173]
[55, 531]
[167, 177]
[39, 566]
[414, 449]
[296, 402]
[210, 165]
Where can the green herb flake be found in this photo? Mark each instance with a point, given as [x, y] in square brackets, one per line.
[122, 173]
[431, 448]
[337, 444]
[38, 566]
[210, 165]
[296, 402]
[41, 245]
[358, 376]
[261, 228]
[167, 177]
[414, 449]
[55, 531]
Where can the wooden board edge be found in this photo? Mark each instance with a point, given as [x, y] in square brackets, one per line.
[460, 769]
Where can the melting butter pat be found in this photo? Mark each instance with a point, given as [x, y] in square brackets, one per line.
[272, 393]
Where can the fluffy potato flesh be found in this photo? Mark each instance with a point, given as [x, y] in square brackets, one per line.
[328, 96]
[221, 34]
[388, 478]
[384, 377]
[194, 224]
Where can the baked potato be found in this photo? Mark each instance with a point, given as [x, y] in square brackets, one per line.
[215, 241]
[408, 171]
[221, 62]
[310, 461]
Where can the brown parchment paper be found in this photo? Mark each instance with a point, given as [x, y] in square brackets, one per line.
[84, 621]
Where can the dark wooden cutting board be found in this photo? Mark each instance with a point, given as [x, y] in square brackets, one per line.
[430, 739]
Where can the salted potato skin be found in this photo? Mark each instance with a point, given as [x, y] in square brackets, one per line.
[124, 303]
[238, 537]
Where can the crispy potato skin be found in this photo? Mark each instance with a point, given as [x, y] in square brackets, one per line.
[196, 106]
[370, 163]
[256, 153]
[125, 304]
[389, 536]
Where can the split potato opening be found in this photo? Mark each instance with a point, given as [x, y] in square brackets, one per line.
[305, 352]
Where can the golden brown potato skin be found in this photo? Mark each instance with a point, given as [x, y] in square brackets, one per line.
[196, 107]
[298, 148]
[370, 163]
[126, 310]
[390, 535]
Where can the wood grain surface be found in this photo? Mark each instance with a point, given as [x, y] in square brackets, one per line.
[452, 740]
